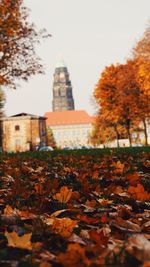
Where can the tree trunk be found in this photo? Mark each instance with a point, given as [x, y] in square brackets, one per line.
[117, 137]
[129, 134]
[145, 132]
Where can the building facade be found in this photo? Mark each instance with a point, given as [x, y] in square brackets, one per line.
[62, 89]
[71, 128]
[23, 132]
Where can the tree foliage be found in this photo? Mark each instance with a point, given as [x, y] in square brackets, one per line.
[50, 137]
[123, 95]
[142, 47]
[116, 88]
[18, 59]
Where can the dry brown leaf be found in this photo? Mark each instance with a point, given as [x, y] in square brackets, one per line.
[118, 167]
[125, 225]
[63, 226]
[138, 192]
[105, 202]
[139, 247]
[74, 256]
[133, 178]
[146, 227]
[50, 219]
[45, 264]
[91, 203]
[146, 264]
[10, 211]
[36, 246]
[57, 213]
[46, 255]
[64, 195]
[25, 214]
[23, 242]
[39, 189]
[76, 239]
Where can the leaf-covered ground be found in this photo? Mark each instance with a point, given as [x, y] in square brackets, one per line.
[75, 210]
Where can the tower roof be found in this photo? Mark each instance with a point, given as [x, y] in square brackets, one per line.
[61, 64]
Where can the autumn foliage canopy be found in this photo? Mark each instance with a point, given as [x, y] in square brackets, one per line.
[18, 59]
[123, 97]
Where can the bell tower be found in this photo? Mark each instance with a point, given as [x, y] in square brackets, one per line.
[62, 89]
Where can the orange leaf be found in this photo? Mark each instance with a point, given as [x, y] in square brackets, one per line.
[23, 242]
[91, 203]
[139, 192]
[74, 256]
[118, 167]
[64, 195]
[146, 264]
[9, 210]
[63, 226]
[105, 202]
[95, 175]
[88, 220]
[67, 169]
[133, 178]
[104, 219]
[45, 264]
[99, 237]
[39, 189]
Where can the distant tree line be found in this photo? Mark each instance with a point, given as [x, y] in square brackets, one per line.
[123, 97]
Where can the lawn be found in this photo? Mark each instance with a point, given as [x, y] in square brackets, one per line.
[75, 208]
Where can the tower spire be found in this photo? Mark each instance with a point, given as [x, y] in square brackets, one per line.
[62, 89]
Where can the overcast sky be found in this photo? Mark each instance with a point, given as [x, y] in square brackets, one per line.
[88, 35]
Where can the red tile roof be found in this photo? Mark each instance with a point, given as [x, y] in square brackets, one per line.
[67, 117]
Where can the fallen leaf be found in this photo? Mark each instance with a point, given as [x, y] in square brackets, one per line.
[76, 239]
[39, 189]
[133, 178]
[10, 211]
[139, 247]
[99, 237]
[23, 242]
[57, 213]
[146, 264]
[74, 256]
[45, 264]
[64, 195]
[63, 226]
[105, 202]
[118, 167]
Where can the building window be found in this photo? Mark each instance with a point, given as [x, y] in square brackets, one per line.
[17, 127]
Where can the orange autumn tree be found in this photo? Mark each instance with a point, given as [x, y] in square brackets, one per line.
[117, 94]
[50, 138]
[106, 95]
[18, 59]
[141, 53]
[103, 131]
[129, 96]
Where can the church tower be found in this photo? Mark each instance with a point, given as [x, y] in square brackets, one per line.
[62, 89]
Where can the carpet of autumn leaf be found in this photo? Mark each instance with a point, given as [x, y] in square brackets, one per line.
[75, 210]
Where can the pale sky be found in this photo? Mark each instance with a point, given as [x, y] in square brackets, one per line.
[88, 35]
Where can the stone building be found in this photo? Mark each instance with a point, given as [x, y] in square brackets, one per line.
[62, 89]
[23, 132]
[70, 128]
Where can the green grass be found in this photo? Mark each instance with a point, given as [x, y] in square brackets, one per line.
[91, 152]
